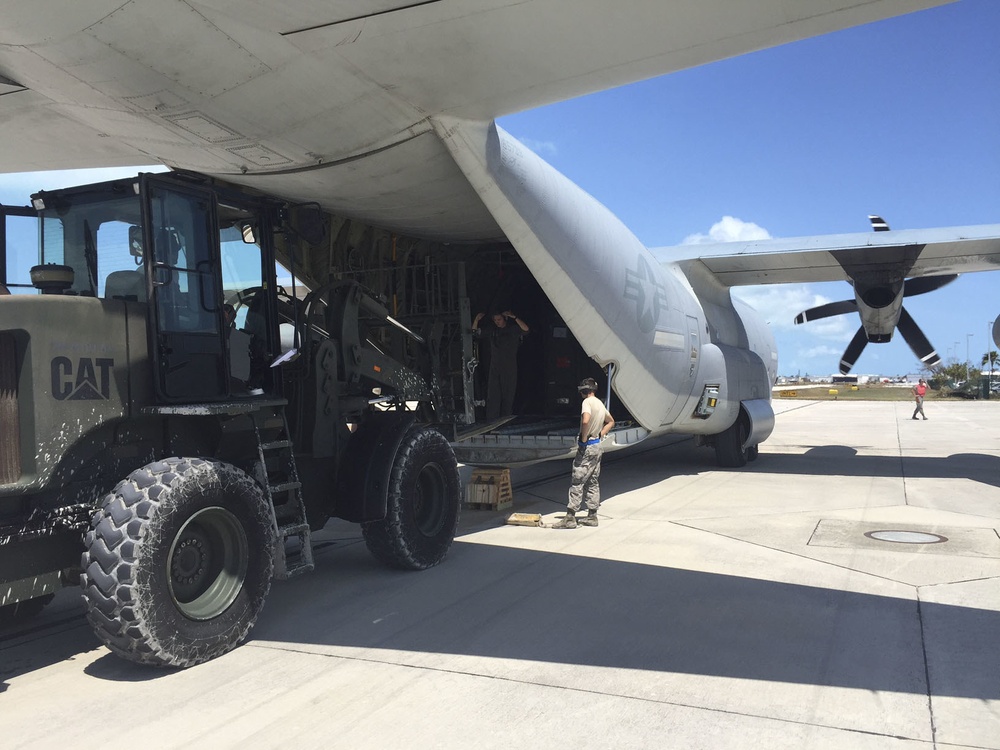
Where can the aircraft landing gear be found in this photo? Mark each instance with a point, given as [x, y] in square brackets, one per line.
[729, 450]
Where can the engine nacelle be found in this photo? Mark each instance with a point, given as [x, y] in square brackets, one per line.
[761, 418]
[879, 306]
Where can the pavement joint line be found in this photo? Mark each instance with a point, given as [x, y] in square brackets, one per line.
[902, 463]
[799, 555]
[586, 691]
[964, 580]
[927, 671]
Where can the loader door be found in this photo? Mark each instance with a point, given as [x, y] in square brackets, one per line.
[188, 348]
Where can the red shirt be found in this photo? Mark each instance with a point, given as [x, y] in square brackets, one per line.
[921, 389]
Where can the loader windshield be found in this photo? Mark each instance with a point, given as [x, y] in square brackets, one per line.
[93, 232]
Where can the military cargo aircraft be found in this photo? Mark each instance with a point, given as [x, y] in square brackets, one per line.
[383, 113]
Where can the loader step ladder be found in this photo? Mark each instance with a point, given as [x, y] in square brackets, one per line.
[277, 473]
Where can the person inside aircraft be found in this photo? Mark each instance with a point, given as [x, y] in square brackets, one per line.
[504, 341]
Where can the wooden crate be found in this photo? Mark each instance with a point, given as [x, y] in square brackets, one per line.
[489, 489]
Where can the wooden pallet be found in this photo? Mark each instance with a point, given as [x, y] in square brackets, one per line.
[489, 489]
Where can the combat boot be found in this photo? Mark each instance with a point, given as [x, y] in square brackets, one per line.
[568, 521]
[590, 520]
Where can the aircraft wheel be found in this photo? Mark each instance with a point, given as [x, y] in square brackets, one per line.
[729, 451]
[423, 503]
[178, 561]
[752, 452]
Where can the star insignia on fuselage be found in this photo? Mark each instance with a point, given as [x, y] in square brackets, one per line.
[642, 286]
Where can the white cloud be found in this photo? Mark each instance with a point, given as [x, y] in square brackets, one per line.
[780, 303]
[542, 148]
[729, 229]
[822, 351]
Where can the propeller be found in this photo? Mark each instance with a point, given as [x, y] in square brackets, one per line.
[876, 302]
[913, 336]
[906, 326]
[826, 311]
[853, 350]
[924, 284]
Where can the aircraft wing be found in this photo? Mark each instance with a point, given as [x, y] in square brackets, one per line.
[842, 257]
[336, 101]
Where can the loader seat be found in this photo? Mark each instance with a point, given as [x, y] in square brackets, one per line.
[126, 285]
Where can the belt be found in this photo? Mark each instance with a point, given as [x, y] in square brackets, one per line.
[592, 441]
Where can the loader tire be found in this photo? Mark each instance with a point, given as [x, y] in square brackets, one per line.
[423, 503]
[178, 562]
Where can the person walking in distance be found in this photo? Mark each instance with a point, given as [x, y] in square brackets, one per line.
[595, 423]
[919, 390]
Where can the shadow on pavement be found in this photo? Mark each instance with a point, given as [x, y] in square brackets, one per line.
[842, 460]
[504, 603]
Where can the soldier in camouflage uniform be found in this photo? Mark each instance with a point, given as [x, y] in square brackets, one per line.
[595, 422]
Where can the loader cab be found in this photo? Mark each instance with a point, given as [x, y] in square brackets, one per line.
[187, 254]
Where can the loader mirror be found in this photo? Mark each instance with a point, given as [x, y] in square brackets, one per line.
[248, 234]
[135, 241]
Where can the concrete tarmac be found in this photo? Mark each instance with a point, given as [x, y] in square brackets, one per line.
[709, 609]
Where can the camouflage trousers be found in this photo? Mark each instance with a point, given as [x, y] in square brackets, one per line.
[585, 484]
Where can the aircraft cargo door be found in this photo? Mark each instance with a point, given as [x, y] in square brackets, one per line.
[685, 383]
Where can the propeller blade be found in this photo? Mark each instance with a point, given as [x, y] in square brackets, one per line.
[913, 336]
[853, 351]
[878, 223]
[827, 310]
[924, 284]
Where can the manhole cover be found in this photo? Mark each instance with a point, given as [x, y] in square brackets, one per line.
[906, 537]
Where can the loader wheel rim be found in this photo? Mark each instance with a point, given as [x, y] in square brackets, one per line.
[430, 504]
[207, 563]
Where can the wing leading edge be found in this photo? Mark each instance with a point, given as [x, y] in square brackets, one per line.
[843, 257]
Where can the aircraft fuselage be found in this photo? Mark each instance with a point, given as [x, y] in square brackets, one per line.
[668, 336]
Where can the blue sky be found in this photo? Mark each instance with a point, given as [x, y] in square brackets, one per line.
[899, 118]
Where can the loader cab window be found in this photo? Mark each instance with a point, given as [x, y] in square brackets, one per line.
[20, 249]
[242, 260]
[120, 275]
[187, 303]
[248, 334]
[89, 232]
[184, 272]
